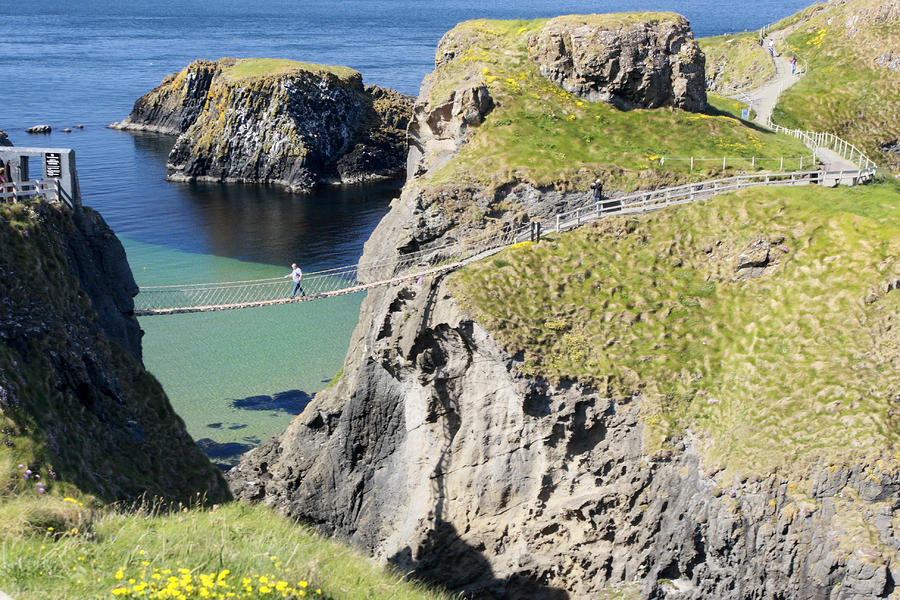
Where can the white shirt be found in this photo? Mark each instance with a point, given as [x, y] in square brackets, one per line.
[296, 274]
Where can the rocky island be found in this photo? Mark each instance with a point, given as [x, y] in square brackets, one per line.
[281, 122]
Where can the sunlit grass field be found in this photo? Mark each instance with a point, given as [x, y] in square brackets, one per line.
[54, 547]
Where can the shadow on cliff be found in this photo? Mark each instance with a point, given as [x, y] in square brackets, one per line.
[446, 560]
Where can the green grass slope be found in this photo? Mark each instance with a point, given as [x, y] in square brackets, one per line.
[849, 89]
[736, 62]
[541, 134]
[231, 551]
[797, 366]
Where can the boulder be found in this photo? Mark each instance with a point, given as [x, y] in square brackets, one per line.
[4, 139]
[623, 59]
[38, 129]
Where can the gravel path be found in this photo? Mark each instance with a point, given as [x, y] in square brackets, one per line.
[766, 97]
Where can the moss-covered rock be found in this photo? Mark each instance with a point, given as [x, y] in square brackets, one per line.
[275, 121]
[75, 404]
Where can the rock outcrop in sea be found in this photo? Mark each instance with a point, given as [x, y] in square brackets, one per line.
[71, 376]
[435, 452]
[281, 122]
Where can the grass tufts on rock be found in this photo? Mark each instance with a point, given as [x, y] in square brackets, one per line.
[252, 68]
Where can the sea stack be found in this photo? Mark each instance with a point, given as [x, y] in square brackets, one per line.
[282, 122]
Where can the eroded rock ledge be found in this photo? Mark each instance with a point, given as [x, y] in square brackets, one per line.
[279, 122]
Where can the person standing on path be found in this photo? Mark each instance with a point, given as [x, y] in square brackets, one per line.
[793, 64]
[597, 186]
[296, 274]
[772, 48]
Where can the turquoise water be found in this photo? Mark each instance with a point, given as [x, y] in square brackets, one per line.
[207, 361]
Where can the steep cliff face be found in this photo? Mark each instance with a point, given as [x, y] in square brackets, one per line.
[74, 397]
[630, 62]
[281, 122]
[437, 456]
[438, 453]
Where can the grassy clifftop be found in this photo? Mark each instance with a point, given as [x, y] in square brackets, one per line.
[790, 360]
[251, 68]
[851, 88]
[539, 133]
[231, 551]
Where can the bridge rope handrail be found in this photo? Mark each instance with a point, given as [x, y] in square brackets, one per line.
[457, 252]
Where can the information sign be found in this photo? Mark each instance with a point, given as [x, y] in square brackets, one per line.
[52, 165]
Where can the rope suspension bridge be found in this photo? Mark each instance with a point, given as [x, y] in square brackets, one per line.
[410, 267]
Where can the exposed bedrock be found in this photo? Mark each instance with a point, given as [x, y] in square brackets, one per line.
[279, 122]
[631, 63]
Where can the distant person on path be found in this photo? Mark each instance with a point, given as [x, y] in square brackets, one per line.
[296, 274]
[597, 186]
[772, 48]
[793, 64]
[3, 177]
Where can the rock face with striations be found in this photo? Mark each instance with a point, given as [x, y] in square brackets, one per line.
[71, 378]
[436, 454]
[627, 60]
[271, 121]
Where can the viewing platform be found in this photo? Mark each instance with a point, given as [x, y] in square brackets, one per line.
[39, 172]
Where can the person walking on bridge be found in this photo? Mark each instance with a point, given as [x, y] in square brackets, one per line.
[296, 274]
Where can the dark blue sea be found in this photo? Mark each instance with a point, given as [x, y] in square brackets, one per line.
[66, 62]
